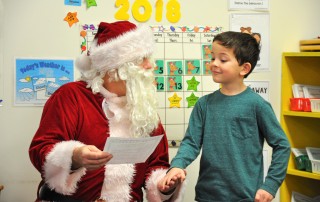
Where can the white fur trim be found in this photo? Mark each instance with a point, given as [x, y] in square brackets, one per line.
[153, 194]
[130, 46]
[116, 185]
[57, 168]
[118, 177]
[83, 63]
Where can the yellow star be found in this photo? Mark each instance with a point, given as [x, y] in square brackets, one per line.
[71, 18]
[175, 100]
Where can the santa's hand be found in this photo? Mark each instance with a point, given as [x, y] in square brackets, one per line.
[89, 157]
[172, 179]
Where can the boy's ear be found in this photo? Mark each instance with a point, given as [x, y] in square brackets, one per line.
[246, 67]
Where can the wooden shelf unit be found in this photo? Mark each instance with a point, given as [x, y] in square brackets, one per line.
[301, 128]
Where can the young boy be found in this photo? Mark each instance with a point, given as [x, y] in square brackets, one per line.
[230, 125]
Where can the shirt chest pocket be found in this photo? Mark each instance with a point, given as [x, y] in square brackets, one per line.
[243, 127]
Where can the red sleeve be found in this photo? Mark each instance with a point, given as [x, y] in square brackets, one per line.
[157, 167]
[58, 123]
[160, 157]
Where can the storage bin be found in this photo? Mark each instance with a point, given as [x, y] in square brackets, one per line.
[315, 165]
[315, 105]
[296, 104]
[301, 162]
[306, 105]
[314, 156]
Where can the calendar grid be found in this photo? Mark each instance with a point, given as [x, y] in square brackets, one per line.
[181, 57]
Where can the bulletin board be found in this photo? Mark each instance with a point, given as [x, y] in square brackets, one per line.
[182, 71]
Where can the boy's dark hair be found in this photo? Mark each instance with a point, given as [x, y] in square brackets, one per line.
[245, 47]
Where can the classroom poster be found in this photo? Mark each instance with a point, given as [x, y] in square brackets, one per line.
[37, 79]
[258, 26]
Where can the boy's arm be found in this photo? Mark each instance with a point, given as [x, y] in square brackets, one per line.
[276, 138]
[191, 144]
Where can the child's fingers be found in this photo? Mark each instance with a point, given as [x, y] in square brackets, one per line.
[185, 172]
[164, 182]
[182, 178]
[174, 174]
[172, 182]
[168, 181]
[170, 176]
[174, 178]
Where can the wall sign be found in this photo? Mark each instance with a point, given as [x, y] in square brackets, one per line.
[248, 4]
[260, 87]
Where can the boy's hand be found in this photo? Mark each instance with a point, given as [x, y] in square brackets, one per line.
[172, 179]
[263, 196]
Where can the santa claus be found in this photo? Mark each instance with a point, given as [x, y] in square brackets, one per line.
[115, 97]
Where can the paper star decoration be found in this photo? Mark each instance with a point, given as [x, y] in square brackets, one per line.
[71, 18]
[192, 99]
[175, 100]
[193, 84]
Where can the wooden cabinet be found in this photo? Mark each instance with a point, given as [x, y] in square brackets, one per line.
[301, 128]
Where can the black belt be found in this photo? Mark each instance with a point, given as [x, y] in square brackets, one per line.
[47, 194]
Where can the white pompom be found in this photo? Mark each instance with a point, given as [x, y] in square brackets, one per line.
[83, 63]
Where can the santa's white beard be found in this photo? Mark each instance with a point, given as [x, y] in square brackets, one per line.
[141, 98]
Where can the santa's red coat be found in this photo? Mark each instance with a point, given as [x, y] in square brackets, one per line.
[73, 116]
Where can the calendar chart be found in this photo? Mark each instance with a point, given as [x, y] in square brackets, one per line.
[182, 73]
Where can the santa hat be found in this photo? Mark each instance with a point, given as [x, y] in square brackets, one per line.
[115, 44]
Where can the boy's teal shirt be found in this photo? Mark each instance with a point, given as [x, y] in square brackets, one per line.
[231, 131]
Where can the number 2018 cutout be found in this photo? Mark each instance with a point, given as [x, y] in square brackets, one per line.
[173, 13]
